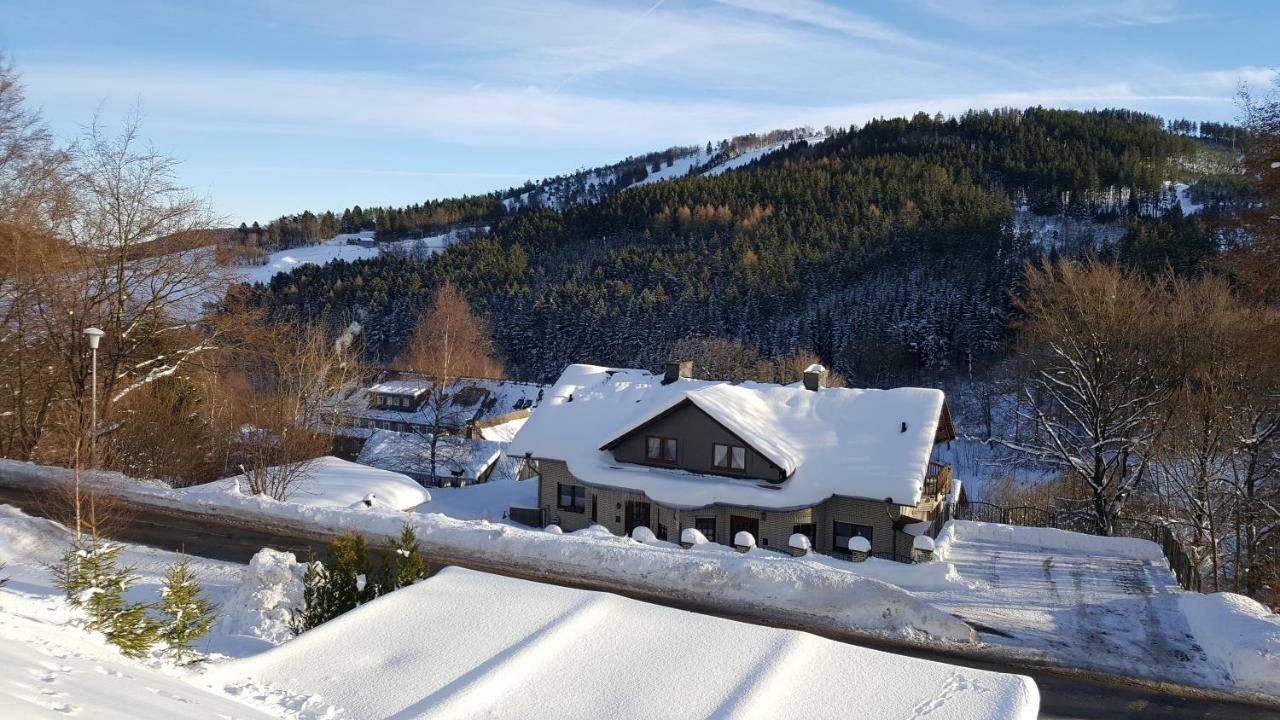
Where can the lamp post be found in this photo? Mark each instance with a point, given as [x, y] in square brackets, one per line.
[94, 335]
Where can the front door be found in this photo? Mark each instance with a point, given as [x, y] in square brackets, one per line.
[738, 523]
[637, 515]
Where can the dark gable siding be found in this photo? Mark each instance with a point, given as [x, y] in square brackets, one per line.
[696, 432]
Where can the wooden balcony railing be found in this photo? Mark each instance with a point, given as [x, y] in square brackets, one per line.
[937, 480]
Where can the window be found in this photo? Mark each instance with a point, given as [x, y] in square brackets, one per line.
[728, 457]
[841, 533]
[571, 497]
[810, 530]
[706, 526]
[660, 449]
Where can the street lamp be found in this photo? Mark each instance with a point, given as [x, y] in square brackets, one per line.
[94, 335]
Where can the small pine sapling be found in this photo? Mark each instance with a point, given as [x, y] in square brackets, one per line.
[68, 574]
[126, 625]
[317, 600]
[407, 563]
[187, 614]
[349, 573]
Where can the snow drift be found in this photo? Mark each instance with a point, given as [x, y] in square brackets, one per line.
[468, 644]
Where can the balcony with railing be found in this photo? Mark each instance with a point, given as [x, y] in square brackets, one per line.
[937, 480]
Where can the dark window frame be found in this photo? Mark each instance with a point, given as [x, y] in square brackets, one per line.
[702, 521]
[809, 530]
[836, 546]
[663, 442]
[729, 468]
[577, 498]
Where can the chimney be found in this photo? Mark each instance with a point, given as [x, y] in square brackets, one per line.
[674, 370]
[814, 376]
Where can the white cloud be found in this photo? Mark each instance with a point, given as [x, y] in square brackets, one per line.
[1017, 14]
[374, 105]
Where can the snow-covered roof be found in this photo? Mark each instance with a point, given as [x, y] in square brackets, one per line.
[410, 453]
[835, 441]
[411, 388]
[531, 650]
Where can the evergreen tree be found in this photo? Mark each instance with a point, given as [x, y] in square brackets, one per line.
[188, 613]
[404, 565]
[103, 586]
[317, 598]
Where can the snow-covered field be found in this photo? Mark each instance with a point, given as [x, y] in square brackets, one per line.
[286, 260]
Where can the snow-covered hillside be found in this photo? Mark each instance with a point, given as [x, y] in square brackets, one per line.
[336, 248]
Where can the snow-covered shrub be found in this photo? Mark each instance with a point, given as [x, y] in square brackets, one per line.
[690, 537]
[554, 530]
[859, 548]
[644, 535]
[104, 583]
[188, 614]
[922, 548]
[799, 544]
[744, 541]
[263, 605]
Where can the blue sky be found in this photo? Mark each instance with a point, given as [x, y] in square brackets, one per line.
[275, 106]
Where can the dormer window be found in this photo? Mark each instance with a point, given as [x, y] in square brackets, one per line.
[729, 457]
[660, 449]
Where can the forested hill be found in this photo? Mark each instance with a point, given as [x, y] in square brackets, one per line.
[888, 250]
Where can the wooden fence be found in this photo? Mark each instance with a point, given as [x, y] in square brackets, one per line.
[1184, 568]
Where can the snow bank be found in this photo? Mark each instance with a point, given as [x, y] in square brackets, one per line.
[1239, 635]
[766, 584]
[262, 606]
[486, 501]
[51, 668]
[1048, 538]
[333, 482]
[532, 650]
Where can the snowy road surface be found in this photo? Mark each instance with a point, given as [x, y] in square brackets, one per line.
[1088, 607]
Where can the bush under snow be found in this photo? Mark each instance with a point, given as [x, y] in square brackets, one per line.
[262, 606]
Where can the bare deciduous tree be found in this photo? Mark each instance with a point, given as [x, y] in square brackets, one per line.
[449, 344]
[1093, 379]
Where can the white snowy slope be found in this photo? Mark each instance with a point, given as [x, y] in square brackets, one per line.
[284, 261]
[467, 644]
[50, 667]
[332, 482]
[751, 156]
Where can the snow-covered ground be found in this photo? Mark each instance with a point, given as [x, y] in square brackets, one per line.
[751, 156]
[50, 667]
[468, 644]
[520, 649]
[486, 501]
[1109, 604]
[330, 482]
[286, 260]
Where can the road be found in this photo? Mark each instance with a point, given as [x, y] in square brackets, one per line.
[1063, 694]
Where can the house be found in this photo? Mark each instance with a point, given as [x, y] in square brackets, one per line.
[403, 402]
[459, 461]
[627, 448]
